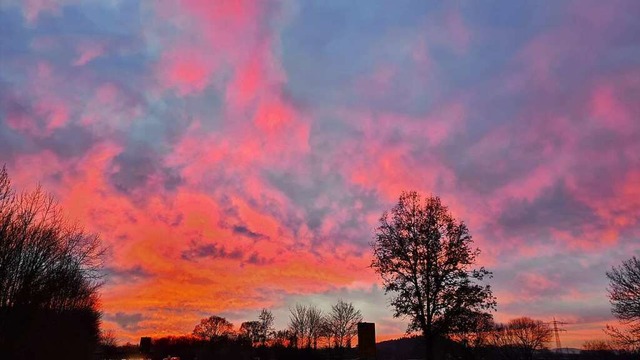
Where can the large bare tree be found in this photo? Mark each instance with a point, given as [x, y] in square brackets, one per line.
[306, 323]
[298, 325]
[624, 295]
[342, 323]
[49, 277]
[265, 320]
[425, 258]
[315, 321]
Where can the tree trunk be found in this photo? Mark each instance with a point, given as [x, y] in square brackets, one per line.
[429, 353]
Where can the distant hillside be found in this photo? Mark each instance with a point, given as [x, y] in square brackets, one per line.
[401, 349]
[412, 348]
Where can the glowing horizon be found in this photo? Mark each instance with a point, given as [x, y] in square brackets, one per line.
[236, 155]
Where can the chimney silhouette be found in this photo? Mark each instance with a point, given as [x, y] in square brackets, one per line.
[367, 340]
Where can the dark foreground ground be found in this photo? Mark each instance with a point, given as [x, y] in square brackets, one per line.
[400, 349]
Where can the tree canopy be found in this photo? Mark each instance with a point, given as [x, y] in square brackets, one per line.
[425, 257]
[212, 327]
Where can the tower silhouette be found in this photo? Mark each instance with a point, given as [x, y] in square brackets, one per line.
[556, 332]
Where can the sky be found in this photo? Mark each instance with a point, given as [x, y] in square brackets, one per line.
[235, 155]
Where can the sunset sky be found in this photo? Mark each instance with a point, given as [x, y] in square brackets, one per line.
[235, 155]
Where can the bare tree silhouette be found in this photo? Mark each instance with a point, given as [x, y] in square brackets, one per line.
[298, 325]
[49, 276]
[265, 320]
[251, 331]
[424, 257]
[213, 327]
[520, 338]
[306, 323]
[624, 295]
[342, 323]
[315, 322]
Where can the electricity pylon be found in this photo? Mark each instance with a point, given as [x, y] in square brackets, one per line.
[556, 332]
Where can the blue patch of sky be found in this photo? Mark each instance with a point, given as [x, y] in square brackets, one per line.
[329, 45]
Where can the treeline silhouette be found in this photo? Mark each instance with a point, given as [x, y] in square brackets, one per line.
[188, 347]
[216, 338]
[519, 339]
[311, 334]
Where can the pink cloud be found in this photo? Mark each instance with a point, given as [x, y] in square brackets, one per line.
[185, 69]
[608, 110]
[33, 8]
[87, 52]
[248, 81]
[533, 285]
[48, 114]
[221, 34]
